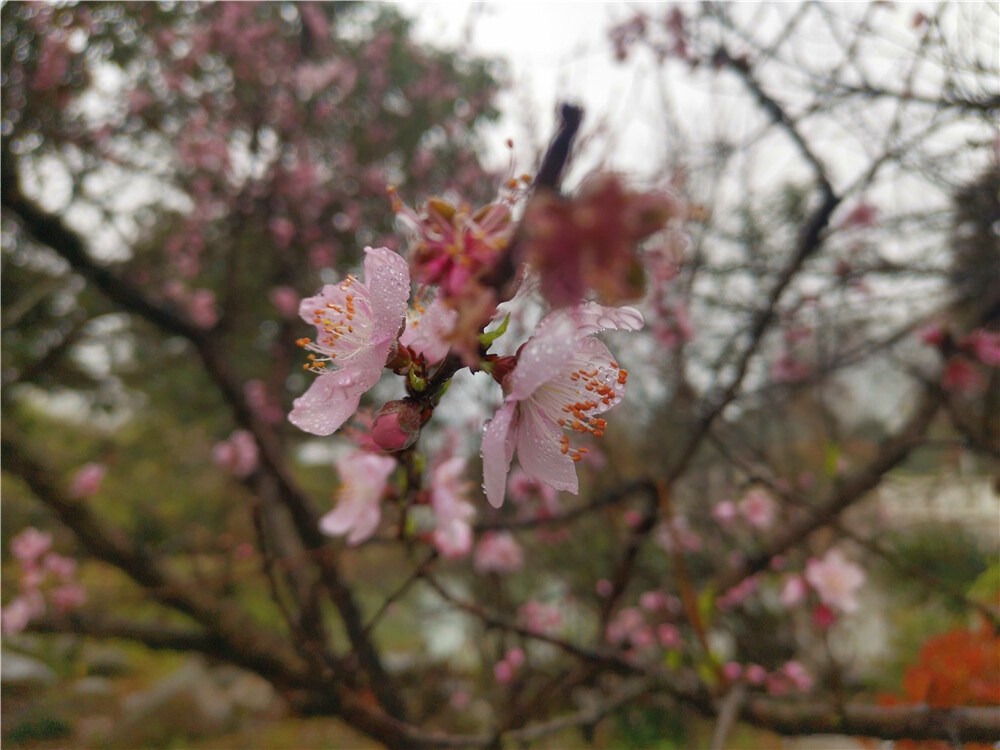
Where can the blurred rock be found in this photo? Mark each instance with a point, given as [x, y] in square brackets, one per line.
[24, 674]
[106, 661]
[188, 703]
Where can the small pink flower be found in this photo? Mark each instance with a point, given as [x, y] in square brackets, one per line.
[427, 334]
[643, 637]
[201, 308]
[653, 600]
[836, 580]
[669, 635]
[985, 345]
[453, 534]
[862, 216]
[363, 477]
[724, 512]
[460, 700]
[932, 335]
[564, 378]
[87, 481]
[960, 375]
[515, 657]
[282, 231]
[356, 326]
[69, 596]
[632, 518]
[732, 670]
[285, 300]
[63, 568]
[758, 509]
[603, 587]
[823, 617]
[503, 672]
[30, 545]
[498, 552]
[237, 455]
[14, 618]
[755, 674]
[798, 675]
[794, 591]
[539, 617]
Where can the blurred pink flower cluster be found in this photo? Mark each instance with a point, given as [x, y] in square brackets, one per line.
[45, 576]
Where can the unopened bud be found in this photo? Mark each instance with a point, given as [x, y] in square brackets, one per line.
[397, 425]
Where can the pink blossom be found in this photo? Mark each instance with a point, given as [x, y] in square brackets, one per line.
[87, 480]
[755, 674]
[427, 333]
[539, 617]
[823, 617]
[363, 477]
[522, 489]
[932, 335]
[285, 300]
[653, 600]
[758, 509]
[356, 325]
[625, 624]
[63, 568]
[861, 216]
[604, 587]
[985, 345]
[632, 518]
[960, 375]
[201, 308]
[643, 637]
[30, 544]
[787, 369]
[836, 580]
[14, 618]
[282, 231]
[732, 670]
[563, 379]
[798, 675]
[260, 401]
[453, 534]
[724, 512]
[69, 596]
[460, 700]
[669, 635]
[498, 552]
[238, 454]
[515, 657]
[738, 593]
[793, 591]
[503, 672]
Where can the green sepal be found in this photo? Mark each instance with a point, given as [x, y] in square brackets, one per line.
[417, 383]
[489, 337]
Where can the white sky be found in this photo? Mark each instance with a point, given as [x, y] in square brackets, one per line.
[556, 51]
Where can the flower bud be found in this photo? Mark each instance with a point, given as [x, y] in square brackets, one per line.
[397, 425]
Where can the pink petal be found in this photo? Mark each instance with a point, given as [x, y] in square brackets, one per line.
[540, 452]
[387, 277]
[328, 403]
[497, 452]
[592, 317]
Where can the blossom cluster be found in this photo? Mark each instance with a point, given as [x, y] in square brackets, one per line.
[464, 262]
[45, 575]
